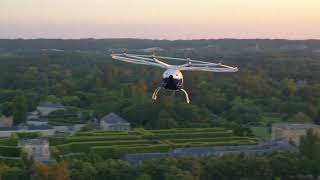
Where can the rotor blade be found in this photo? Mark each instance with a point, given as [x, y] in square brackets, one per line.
[209, 69]
[136, 61]
[181, 59]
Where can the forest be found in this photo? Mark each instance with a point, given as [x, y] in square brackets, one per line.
[278, 81]
[275, 83]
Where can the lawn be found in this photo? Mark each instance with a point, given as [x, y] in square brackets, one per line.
[261, 132]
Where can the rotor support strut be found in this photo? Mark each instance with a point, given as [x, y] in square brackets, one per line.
[154, 95]
[187, 96]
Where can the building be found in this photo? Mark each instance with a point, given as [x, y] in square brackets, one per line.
[114, 122]
[199, 152]
[32, 115]
[48, 107]
[37, 122]
[37, 149]
[291, 132]
[6, 121]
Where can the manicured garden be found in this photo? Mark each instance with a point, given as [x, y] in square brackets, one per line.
[112, 144]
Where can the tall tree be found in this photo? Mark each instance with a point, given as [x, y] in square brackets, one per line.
[59, 171]
[20, 108]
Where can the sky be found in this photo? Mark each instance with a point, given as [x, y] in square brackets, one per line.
[160, 19]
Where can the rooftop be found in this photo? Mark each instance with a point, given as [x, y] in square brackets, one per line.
[295, 125]
[113, 118]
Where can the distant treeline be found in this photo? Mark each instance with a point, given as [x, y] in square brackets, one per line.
[103, 44]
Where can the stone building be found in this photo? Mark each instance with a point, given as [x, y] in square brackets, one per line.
[6, 121]
[37, 149]
[114, 122]
[292, 131]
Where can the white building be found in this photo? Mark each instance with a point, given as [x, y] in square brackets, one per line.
[47, 107]
[37, 122]
[37, 149]
[114, 122]
[292, 132]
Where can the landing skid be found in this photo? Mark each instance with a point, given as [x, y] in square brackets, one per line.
[156, 91]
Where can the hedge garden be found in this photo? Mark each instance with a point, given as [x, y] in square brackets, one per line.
[112, 144]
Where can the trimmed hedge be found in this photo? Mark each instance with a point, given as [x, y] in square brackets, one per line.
[218, 139]
[118, 151]
[9, 142]
[189, 135]
[102, 138]
[63, 140]
[27, 135]
[107, 133]
[187, 130]
[144, 131]
[203, 144]
[53, 141]
[10, 151]
[77, 147]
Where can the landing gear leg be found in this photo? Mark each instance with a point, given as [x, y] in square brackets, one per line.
[154, 95]
[187, 96]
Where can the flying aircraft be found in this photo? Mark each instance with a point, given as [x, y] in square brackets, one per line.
[172, 78]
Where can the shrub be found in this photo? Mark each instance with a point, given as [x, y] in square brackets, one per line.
[9, 141]
[110, 133]
[27, 135]
[57, 140]
[10, 151]
[85, 146]
[190, 135]
[102, 138]
[187, 130]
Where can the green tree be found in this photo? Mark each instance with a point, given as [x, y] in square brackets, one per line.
[39, 171]
[20, 108]
[7, 109]
[59, 171]
[300, 117]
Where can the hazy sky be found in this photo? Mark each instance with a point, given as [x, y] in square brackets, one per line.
[160, 19]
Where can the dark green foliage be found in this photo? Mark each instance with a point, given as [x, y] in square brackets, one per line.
[118, 151]
[61, 117]
[9, 151]
[20, 108]
[9, 141]
[7, 109]
[27, 135]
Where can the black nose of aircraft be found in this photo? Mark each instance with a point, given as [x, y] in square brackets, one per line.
[171, 83]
